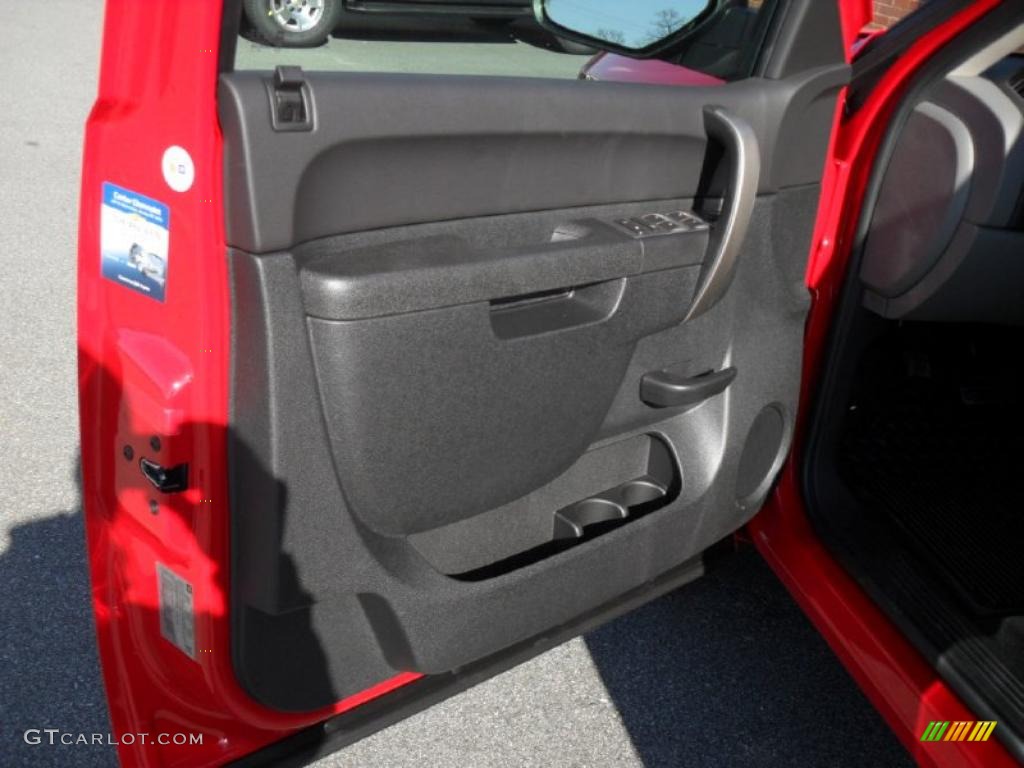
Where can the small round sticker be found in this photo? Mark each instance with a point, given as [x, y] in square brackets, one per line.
[179, 172]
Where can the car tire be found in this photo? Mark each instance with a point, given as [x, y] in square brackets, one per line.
[293, 23]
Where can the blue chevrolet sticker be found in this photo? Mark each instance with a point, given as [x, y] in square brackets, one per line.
[134, 239]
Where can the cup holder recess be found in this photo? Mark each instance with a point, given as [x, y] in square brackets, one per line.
[597, 514]
[641, 492]
[610, 506]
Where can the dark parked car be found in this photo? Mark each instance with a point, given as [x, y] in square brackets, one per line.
[305, 23]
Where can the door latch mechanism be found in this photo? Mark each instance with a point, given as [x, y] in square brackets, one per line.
[166, 480]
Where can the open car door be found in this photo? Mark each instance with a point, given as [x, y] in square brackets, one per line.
[389, 382]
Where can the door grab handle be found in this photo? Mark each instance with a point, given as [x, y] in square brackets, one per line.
[727, 234]
[667, 390]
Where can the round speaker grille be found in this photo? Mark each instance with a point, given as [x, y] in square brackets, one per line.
[762, 454]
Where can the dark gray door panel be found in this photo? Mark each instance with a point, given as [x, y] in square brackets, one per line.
[352, 282]
[383, 147]
[439, 444]
[434, 418]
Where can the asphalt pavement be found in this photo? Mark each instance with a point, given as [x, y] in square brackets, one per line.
[726, 672]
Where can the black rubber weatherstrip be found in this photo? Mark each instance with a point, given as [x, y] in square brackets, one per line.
[890, 574]
[337, 732]
[230, 26]
[878, 54]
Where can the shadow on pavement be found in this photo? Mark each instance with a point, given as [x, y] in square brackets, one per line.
[728, 671]
[50, 673]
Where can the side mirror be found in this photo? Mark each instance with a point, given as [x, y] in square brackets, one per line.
[638, 28]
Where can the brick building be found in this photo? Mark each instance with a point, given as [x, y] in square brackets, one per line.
[888, 12]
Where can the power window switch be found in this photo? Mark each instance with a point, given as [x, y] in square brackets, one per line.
[687, 220]
[635, 227]
[659, 222]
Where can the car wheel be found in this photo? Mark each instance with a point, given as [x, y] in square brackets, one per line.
[293, 23]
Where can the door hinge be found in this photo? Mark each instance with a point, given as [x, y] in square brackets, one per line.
[291, 101]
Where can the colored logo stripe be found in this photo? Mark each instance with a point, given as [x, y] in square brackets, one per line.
[958, 730]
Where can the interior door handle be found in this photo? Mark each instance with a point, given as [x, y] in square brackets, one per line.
[727, 234]
[661, 389]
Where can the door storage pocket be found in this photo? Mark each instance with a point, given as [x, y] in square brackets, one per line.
[577, 506]
[433, 417]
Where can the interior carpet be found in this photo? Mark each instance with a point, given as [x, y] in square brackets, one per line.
[934, 442]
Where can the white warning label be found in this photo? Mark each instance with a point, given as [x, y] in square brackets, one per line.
[177, 621]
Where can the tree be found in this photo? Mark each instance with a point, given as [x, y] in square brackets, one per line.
[666, 22]
[616, 36]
